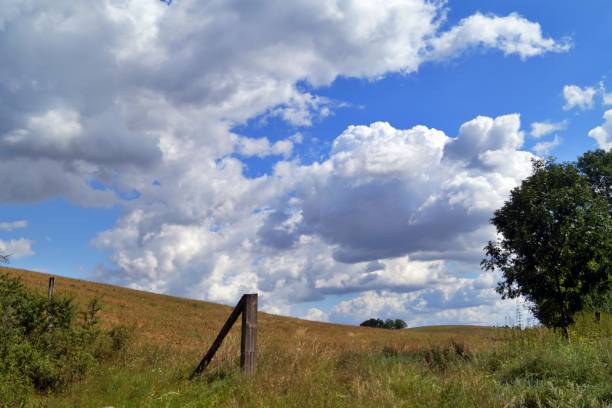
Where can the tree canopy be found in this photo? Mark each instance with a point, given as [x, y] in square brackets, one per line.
[555, 238]
[385, 324]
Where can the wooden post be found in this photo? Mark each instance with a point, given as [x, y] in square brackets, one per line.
[51, 287]
[247, 306]
[248, 356]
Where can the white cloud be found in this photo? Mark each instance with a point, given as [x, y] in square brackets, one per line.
[539, 129]
[16, 248]
[603, 134]
[139, 96]
[171, 81]
[511, 34]
[576, 97]
[9, 226]
[606, 97]
[543, 148]
[262, 147]
[373, 216]
[303, 108]
[316, 315]
[462, 301]
[377, 198]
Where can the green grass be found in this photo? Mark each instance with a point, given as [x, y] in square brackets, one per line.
[307, 364]
[529, 369]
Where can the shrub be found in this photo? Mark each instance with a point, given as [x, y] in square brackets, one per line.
[44, 347]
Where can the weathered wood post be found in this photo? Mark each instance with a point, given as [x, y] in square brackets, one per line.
[248, 355]
[247, 306]
[51, 287]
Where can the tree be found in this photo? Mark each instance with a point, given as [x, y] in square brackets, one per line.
[377, 323]
[399, 324]
[385, 324]
[597, 167]
[554, 245]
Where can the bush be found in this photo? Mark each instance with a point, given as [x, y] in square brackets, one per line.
[43, 345]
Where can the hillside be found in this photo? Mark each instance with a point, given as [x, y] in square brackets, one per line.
[190, 325]
[311, 364]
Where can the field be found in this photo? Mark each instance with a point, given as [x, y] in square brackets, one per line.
[310, 364]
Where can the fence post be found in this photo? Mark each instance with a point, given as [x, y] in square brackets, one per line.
[248, 355]
[247, 306]
[51, 287]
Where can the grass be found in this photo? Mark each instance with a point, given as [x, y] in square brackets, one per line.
[310, 364]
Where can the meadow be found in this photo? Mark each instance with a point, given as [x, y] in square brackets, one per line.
[312, 364]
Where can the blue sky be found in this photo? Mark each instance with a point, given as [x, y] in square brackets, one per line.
[311, 152]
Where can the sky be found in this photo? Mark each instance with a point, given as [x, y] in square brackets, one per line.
[341, 158]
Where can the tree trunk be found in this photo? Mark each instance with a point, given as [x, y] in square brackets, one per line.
[597, 316]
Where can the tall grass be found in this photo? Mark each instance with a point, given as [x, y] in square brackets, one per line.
[309, 364]
[526, 368]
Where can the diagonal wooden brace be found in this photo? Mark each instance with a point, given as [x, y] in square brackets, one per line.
[248, 307]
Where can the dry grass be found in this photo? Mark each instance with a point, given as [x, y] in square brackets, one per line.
[189, 326]
[311, 364]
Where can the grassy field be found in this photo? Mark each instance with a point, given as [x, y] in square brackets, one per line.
[310, 364]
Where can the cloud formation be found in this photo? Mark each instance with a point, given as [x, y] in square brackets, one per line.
[10, 226]
[376, 198]
[136, 96]
[16, 248]
[543, 148]
[577, 97]
[603, 133]
[372, 217]
[539, 129]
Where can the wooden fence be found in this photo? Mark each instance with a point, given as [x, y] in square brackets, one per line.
[247, 306]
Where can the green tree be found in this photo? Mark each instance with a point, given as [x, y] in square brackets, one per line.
[385, 324]
[377, 323]
[399, 324]
[554, 245]
[597, 167]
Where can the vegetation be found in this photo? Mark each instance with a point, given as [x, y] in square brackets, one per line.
[43, 348]
[312, 364]
[555, 240]
[385, 324]
[596, 166]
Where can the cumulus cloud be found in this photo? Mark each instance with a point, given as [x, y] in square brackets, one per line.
[121, 91]
[371, 217]
[539, 129]
[603, 134]
[375, 197]
[464, 303]
[316, 315]
[139, 96]
[511, 34]
[16, 248]
[262, 147]
[576, 97]
[9, 226]
[543, 148]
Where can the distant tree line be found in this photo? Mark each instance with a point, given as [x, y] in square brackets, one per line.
[385, 324]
